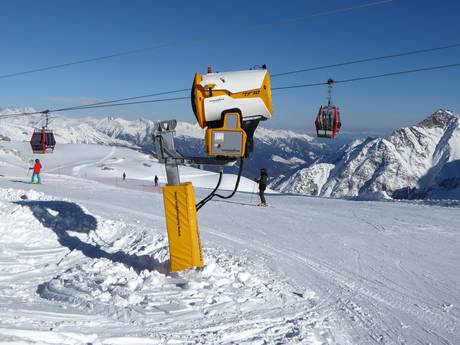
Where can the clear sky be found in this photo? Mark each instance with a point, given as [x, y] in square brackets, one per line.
[232, 35]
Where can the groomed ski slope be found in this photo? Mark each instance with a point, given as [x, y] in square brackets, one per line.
[83, 260]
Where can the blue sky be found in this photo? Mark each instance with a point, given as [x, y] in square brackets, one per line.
[39, 33]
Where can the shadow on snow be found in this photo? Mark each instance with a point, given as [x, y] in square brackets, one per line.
[63, 217]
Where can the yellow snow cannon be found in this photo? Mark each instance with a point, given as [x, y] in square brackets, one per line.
[230, 106]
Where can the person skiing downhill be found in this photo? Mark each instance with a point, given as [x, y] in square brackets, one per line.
[124, 176]
[37, 169]
[155, 180]
[262, 181]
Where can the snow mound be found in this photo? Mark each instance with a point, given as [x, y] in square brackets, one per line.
[372, 196]
[56, 250]
[15, 194]
[115, 288]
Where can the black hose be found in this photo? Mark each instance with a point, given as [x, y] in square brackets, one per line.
[210, 196]
[240, 171]
[213, 193]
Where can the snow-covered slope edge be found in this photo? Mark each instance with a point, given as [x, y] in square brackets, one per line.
[422, 161]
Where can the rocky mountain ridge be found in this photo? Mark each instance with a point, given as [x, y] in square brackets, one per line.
[422, 161]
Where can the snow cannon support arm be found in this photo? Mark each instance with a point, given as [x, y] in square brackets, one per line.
[179, 199]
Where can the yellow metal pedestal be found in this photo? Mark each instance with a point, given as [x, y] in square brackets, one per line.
[181, 222]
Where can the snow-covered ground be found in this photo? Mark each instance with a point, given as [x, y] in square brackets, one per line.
[83, 260]
[107, 164]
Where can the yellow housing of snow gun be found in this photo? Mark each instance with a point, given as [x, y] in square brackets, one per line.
[249, 91]
[181, 222]
[215, 95]
[229, 140]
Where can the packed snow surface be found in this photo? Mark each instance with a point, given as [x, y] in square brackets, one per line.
[84, 260]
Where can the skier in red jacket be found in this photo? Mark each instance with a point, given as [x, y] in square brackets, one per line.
[37, 169]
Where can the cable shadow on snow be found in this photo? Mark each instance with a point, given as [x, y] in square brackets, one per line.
[63, 217]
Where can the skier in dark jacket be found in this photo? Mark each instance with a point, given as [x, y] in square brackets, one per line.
[262, 180]
[155, 181]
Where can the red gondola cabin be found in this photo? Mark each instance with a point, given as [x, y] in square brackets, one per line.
[328, 122]
[42, 141]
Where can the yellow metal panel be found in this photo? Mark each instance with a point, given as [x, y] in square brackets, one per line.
[181, 222]
[266, 93]
[208, 140]
[208, 137]
[198, 99]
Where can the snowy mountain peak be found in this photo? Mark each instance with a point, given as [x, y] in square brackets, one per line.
[16, 110]
[424, 158]
[438, 119]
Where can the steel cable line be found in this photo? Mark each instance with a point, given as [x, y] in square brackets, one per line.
[383, 57]
[120, 104]
[83, 106]
[376, 58]
[201, 38]
[375, 76]
[92, 107]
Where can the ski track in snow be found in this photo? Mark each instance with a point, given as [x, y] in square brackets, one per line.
[77, 166]
[87, 264]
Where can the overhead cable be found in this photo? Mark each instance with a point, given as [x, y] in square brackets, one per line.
[375, 76]
[367, 77]
[412, 52]
[93, 107]
[83, 106]
[201, 38]
[376, 58]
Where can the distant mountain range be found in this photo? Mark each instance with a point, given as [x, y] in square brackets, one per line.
[280, 151]
[417, 162]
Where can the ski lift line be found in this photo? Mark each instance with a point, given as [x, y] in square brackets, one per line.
[297, 86]
[95, 106]
[79, 62]
[83, 106]
[201, 38]
[120, 104]
[413, 52]
[398, 73]
[432, 68]
[369, 77]
[376, 58]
